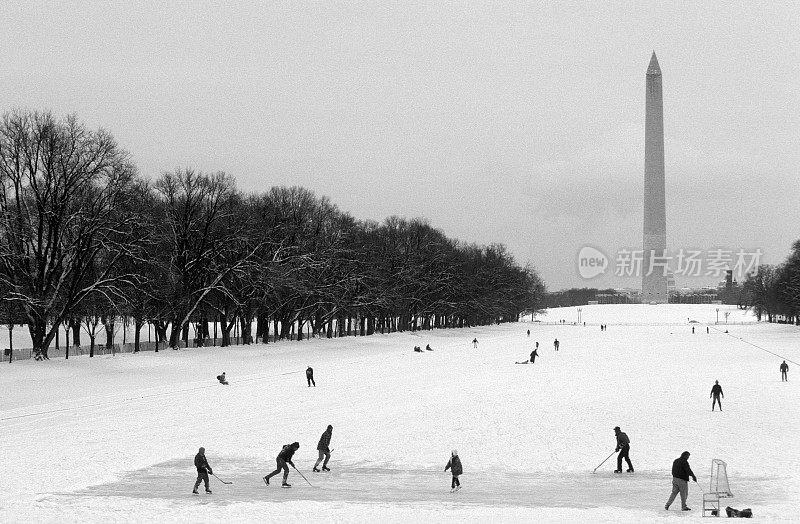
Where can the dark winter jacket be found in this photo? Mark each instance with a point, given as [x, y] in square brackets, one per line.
[717, 391]
[784, 367]
[455, 464]
[201, 463]
[681, 469]
[287, 452]
[622, 440]
[325, 441]
[309, 372]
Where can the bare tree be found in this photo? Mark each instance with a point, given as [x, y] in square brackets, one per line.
[65, 221]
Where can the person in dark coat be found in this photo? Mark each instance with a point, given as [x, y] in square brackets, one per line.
[454, 464]
[324, 449]
[680, 480]
[784, 371]
[310, 377]
[203, 469]
[284, 458]
[556, 343]
[716, 392]
[222, 379]
[529, 332]
[624, 447]
[474, 342]
[534, 354]
[428, 347]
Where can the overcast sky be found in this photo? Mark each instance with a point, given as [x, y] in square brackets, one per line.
[520, 123]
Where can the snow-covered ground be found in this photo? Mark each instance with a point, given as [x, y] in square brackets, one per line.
[113, 438]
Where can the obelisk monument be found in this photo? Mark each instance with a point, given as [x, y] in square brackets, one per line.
[654, 271]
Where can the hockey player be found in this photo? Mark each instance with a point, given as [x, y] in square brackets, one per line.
[310, 377]
[784, 371]
[716, 392]
[454, 464]
[284, 458]
[680, 480]
[203, 469]
[324, 449]
[624, 447]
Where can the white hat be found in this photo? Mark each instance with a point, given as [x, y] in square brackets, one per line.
[455, 453]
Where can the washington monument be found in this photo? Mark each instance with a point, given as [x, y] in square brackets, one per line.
[654, 270]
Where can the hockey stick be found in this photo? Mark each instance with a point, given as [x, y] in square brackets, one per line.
[304, 477]
[608, 457]
[219, 479]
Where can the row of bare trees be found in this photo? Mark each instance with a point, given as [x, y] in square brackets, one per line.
[86, 241]
[773, 291]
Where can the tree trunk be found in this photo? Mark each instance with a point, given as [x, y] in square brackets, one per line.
[137, 327]
[75, 324]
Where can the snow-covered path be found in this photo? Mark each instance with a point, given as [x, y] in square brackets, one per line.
[112, 438]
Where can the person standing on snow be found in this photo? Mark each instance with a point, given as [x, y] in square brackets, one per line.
[624, 447]
[680, 480]
[784, 371]
[324, 449]
[310, 377]
[284, 458]
[203, 469]
[529, 332]
[454, 464]
[534, 354]
[716, 392]
[474, 342]
[556, 343]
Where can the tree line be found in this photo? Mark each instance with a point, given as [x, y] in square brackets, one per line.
[773, 291]
[85, 242]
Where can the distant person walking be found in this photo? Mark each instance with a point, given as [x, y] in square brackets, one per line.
[707, 330]
[454, 464]
[203, 469]
[716, 393]
[474, 342]
[556, 343]
[310, 377]
[529, 332]
[534, 354]
[624, 447]
[784, 371]
[680, 480]
[284, 458]
[692, 330]
[324, 449]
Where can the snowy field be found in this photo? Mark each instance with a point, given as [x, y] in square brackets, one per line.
[111, 439]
